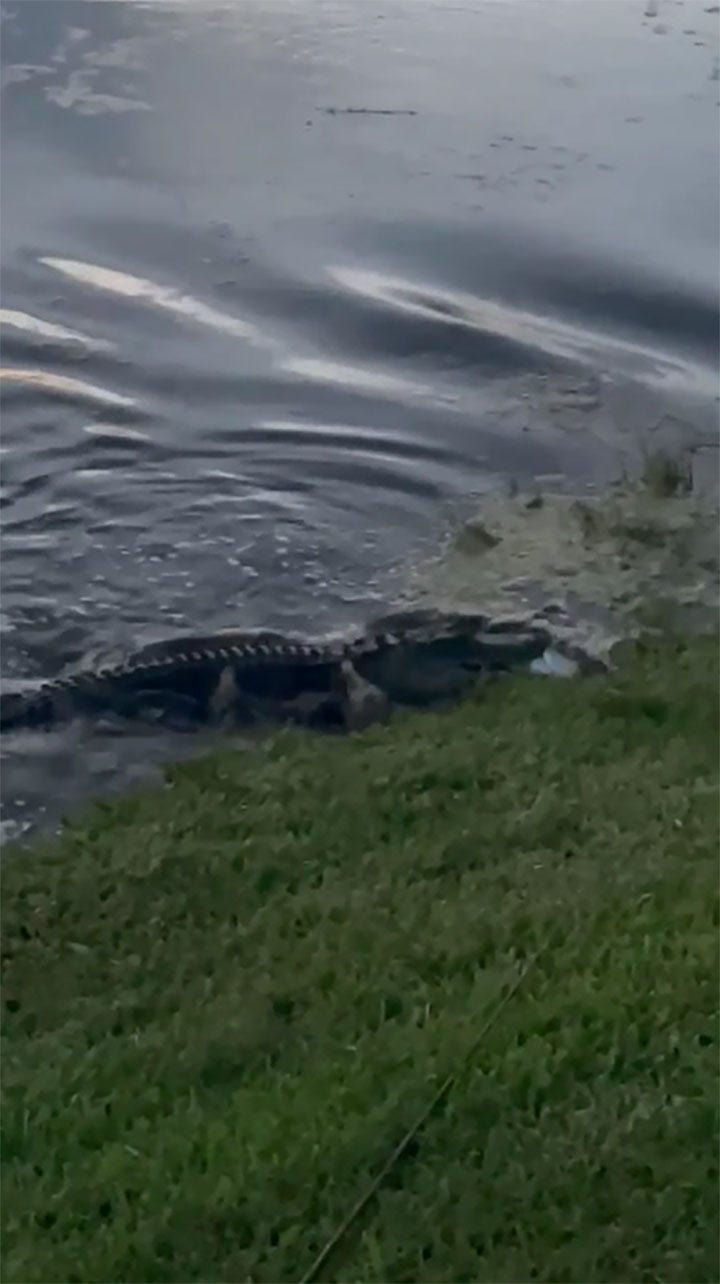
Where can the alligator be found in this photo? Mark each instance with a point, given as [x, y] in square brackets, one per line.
[236, 677]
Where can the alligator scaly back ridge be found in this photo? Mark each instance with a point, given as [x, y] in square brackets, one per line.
[188, 667]
[411, 657]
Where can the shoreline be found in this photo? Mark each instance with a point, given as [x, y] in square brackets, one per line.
[226, 1000]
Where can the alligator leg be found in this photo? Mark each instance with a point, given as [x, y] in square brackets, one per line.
[363, 703]
[225, 701]
[231, 705]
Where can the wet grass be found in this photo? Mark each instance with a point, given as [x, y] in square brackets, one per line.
[226, 1002]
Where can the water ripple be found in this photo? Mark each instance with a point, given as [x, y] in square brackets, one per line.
[537, 332]
[63, 386]
[48, 330]
[165, 297]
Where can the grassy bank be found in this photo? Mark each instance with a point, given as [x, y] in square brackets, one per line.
[225, 1003]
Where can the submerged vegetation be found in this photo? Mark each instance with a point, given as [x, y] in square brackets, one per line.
[227, 1001]
[642, 553]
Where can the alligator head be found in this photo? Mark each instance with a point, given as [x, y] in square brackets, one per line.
[421, 656]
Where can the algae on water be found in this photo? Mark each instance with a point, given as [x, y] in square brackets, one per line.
[601, 566]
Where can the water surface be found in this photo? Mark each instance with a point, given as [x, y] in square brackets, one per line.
[284, 285]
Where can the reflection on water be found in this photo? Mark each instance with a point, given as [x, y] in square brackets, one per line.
[538, 333]
[133, 287]
[63, 385]
[286, 285]
[47, 330]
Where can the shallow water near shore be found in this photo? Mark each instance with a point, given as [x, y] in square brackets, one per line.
[594, 569]
[598, 567]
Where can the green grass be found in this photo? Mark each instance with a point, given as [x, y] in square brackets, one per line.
[226, 1002]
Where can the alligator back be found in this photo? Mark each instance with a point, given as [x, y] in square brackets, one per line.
[265, 667]
[414, 657]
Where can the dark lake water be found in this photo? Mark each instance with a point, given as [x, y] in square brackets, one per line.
[286, 281]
